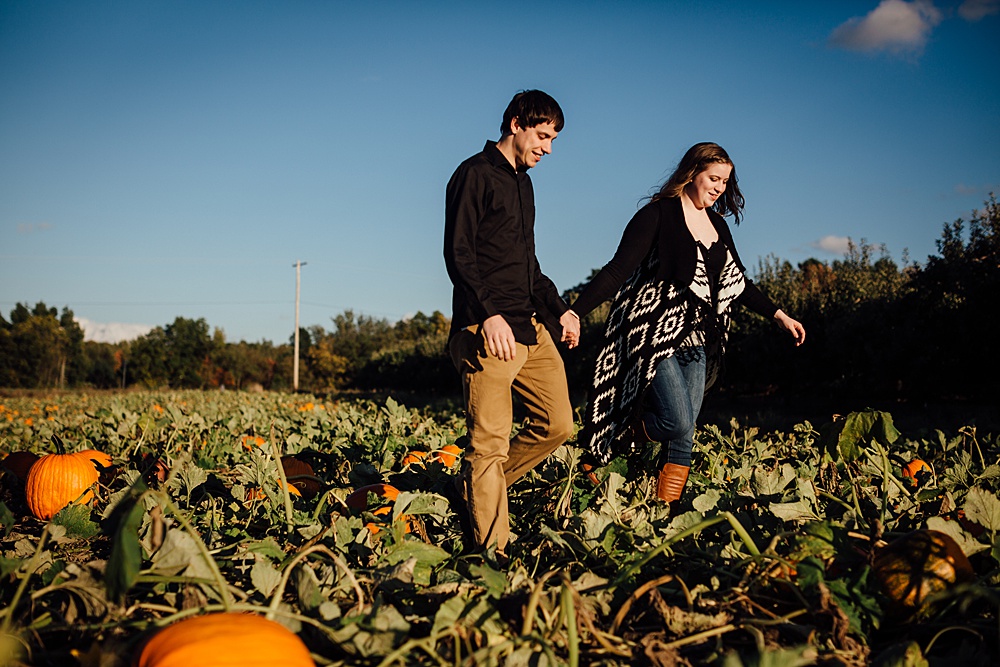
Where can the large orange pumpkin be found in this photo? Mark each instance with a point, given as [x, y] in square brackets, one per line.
[222, 639]
[19, 463]
[55, 481]
[300, 475]
[918, 565]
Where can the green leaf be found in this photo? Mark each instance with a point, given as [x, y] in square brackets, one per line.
[419, 503]
[773, 482]
[49, 575]
[907, 654]
[495, 582]
[797, 511]
[307, 588]
[264, 576]
[6, 519]
[125, 560]
[426, 558]
[707, 501]
[76, 520]
[845, 442]
[9, 566]
[423, 552]
[953, 529]
[267, 547]
[983, 507]
[449, 614]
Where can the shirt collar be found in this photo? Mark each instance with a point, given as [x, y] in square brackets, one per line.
[496, 158]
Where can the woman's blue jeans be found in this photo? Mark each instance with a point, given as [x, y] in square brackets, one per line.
[673, 401]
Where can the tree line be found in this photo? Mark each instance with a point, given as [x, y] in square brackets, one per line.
[875, 329]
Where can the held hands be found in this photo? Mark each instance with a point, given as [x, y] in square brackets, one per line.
[499, 338]
[570, 322]
[793, 327]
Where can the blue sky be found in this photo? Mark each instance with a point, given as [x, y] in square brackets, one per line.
[163, 159]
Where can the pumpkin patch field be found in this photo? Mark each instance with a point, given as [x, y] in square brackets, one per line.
[205, 528]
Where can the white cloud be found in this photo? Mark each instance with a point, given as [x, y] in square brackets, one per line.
[111, 332]
[895, 26]
[29, 227]
[974, 10]
[963, 189]
[835, 245]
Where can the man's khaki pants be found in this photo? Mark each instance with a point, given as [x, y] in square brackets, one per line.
[494, 461]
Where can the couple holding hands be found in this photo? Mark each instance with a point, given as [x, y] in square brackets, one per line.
[673, 283]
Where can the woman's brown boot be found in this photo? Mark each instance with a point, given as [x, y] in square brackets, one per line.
[671, 481]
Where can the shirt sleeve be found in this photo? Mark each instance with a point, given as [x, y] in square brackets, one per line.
[464, 207]
[547, 293]
[756, 300]
[637, 239]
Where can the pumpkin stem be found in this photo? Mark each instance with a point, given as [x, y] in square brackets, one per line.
[57, 441]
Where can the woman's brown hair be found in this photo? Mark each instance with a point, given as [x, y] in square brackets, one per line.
[695, 161]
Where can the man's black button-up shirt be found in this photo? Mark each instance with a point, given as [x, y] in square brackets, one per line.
[489, 248]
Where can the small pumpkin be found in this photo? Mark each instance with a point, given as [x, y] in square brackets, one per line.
[257, 493]
[19, 464]
[301, 476]
[414, 457]
[914, 468]
[235, 639]
[57, 480]
[386, 511]
[96, 456]
[918, 565]
[358, 500]
[448, 455]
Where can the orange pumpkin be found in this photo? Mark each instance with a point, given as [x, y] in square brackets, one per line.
[359, 499]
[918, 565]
[386, 511]
[96, 456]
[257, 493]
[414, 456]
[301, 476]
[57, 480]
[911, 469]
[224, 638]
[19, 463]
[448, 455]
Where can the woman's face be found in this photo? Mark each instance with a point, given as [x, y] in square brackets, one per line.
[709, 184]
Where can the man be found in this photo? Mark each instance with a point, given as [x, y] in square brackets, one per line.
[503, 310]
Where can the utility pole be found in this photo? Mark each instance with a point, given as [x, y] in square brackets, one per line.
[298, 288]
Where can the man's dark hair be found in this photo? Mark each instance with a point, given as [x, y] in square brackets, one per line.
[531, 108]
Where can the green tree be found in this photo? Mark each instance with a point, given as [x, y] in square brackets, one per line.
[41, 348]
[177, 355]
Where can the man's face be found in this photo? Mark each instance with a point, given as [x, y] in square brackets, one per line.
[531, 143]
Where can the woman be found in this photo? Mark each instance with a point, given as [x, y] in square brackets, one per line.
[675, 278]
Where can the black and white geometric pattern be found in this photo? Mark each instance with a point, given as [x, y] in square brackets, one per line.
[651, 320]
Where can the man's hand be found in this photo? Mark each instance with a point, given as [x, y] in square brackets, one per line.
[793, 327]
[499, 338]
[570, 322]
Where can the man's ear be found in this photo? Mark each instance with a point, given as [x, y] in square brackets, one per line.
[515, 125]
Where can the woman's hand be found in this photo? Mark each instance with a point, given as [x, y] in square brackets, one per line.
[793, 327]
[570, 322]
